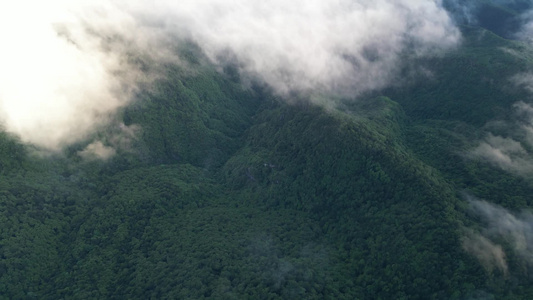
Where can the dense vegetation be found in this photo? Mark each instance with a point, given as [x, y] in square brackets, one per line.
[228, 192]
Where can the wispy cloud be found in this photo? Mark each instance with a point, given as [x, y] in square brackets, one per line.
[512, 152]
[468, 12]
[117, 138]
[97, 150]
[526, 32]
[490, 255]
[68, 66]
[314, 44]
[524, 80]
[60, 80]
[499, 225]
[505, 153]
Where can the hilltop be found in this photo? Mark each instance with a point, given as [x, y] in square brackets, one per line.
[227, 190]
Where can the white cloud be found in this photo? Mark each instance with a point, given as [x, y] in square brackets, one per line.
[505, 153]
[526, 32]
[499, 224]
[467, 12]
[67, 67]
[513, 152]
[53, 89]
[117, 137]
[490, 255]
[97, 150]
[524, 80]
[315, 44]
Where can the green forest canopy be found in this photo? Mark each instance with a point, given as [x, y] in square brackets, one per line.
[228, 192]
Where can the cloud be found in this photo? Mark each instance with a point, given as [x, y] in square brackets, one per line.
[97, 150]
[317, 45]
[526, 31]
[505, 153]
[490, 255]
[68, 66]
[118, 137]
[499, 224]
[464, 12]
[513, 152]
[467, 11]
[123, 137]
[514, 20]
[524, 80]
[63, 73]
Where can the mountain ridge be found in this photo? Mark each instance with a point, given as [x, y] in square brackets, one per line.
[230, 192]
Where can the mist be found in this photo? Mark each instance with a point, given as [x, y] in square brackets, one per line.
[499, 225]
[59, 81]
[526, 31]
[332, 46]
[505, 153]
[67, 66]
[491, 256]
[467, 11]
[512, 152]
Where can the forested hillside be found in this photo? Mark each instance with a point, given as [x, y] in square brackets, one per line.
[223, 189]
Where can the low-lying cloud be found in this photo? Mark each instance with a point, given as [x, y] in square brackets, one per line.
[524, 80]
[490, 255]
[512, 152]
[342, 45]
[68, 66]
[59, 80]
[117, 137]
[498, 225]
[505, 153]
[97, 150]
[468, 12]
[526, 32]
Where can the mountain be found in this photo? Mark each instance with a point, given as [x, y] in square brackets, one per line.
[229, 191]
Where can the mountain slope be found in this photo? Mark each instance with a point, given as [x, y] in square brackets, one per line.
[229, 192]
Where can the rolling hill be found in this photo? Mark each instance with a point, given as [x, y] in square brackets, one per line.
[228, 191]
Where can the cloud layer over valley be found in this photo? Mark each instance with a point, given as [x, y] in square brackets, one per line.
[66, 65]
[317, 45]
[512, 152]
[500, 227]
[59, 78]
